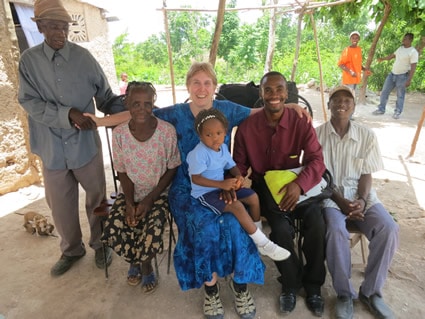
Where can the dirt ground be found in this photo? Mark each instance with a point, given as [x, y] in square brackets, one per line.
[27, 290]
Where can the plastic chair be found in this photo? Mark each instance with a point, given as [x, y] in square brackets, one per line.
[104, 209]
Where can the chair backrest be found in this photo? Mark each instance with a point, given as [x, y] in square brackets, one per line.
[249, 95]
[115, 179]
[243, 94]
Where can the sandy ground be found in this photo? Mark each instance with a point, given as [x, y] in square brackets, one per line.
[27, 290]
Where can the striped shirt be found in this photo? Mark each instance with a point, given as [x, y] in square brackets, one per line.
[349, 157]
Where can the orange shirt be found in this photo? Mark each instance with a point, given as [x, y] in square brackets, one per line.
[352, 59]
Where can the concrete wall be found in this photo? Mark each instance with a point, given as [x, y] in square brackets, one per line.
[19, 167]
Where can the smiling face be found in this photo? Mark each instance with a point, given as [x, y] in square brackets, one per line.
[213, 133]
[201, 89]
[341, 105]
[274, 93]
[355, 38]
[55, 32]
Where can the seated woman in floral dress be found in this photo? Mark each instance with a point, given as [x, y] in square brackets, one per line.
[146, 157]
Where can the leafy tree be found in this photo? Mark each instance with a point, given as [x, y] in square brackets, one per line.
[242, 48]
[154, 49]
[229, 36]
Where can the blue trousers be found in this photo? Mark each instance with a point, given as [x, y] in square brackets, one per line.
[382, 232]
[392, 81]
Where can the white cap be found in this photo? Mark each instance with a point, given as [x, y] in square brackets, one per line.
[353, 33]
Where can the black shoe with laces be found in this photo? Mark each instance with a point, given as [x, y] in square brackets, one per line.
[64, 264]
[315, 304]
[287, 302]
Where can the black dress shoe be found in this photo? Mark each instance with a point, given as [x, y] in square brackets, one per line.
[377, 306]
[315, 304]
[64, 264]
[287, 302]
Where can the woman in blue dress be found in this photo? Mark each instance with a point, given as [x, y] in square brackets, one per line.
[209, 246]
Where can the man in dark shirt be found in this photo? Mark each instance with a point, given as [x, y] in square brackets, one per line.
[57, 83]
[276, 138]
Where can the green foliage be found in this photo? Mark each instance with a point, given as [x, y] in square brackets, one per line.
[243, 47]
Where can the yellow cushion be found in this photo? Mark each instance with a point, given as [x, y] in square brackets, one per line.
[275, 180]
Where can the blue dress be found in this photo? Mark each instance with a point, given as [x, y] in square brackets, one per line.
[207, 242]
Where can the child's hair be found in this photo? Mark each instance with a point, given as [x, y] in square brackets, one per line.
[209, 114]
[143, 86]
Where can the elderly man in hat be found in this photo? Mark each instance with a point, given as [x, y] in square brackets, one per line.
[58, 81]
[352, 154]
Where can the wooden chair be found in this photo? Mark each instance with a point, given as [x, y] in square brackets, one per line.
[104, 209]
[358, 237]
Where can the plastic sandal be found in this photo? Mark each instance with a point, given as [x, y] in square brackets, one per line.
[133, 276]
[149, 283]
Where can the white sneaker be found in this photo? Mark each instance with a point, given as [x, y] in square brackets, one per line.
[274, 251]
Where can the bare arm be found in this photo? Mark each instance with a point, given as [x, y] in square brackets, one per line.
[355, 209]
[387, 58]
[348, 70]
[411, 73]
[146, 204]
[110, 120]
[128, 189]
[227, 184]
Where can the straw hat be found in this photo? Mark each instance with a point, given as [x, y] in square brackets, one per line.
[51, 10]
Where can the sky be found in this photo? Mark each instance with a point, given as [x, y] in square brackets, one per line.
[141, 19]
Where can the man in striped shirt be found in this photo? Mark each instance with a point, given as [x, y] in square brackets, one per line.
[351, 153]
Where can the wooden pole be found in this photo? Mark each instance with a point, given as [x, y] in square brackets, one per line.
[297, 46]
[217, 32]
[268, 65]
[170, 53]
[418, 131]
[325, 117]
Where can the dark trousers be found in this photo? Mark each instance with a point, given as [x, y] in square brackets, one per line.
[296, 274]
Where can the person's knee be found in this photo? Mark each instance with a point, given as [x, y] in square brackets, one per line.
[314, 219]
[282, 230]
[390, 229]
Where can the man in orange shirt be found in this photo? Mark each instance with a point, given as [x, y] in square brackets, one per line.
[351, 62]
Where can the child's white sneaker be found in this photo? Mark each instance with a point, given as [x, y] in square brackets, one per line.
[274, 251]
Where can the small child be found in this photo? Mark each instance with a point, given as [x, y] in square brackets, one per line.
[207, 163]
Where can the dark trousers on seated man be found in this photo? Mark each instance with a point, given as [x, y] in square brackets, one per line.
[295, 275]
